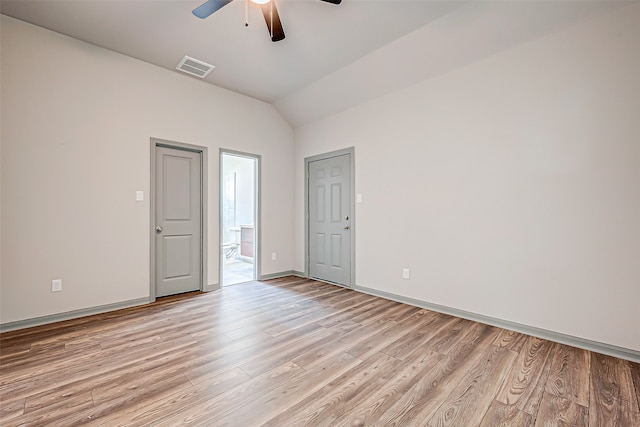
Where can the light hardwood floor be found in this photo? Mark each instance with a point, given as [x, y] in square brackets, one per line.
[294, 352]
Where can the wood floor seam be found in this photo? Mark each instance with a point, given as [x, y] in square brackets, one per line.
[296, 352]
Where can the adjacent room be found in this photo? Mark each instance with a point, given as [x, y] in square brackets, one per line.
[320, 212]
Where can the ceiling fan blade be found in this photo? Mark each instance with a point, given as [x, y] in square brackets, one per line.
[333, 1]
[206, 9]
[277, 32]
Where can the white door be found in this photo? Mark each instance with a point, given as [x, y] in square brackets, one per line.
[330, 219]
[178, 221]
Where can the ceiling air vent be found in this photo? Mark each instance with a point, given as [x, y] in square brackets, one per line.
[194, 67]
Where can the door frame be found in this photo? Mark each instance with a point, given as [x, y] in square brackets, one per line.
[257, 226]
[157, 142]
[352, 206]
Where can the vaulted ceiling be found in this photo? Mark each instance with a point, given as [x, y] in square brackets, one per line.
[333, 56]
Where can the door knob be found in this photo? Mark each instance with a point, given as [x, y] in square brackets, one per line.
[158, 229]
[346, 227]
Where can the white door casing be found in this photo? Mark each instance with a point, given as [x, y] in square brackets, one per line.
[330, 219]
[178, 221]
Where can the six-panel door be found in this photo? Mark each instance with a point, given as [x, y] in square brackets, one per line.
[329, 219]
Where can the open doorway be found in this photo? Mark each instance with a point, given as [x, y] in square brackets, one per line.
[238, 217]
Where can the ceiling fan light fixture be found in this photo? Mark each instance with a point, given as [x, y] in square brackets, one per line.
[269, 11]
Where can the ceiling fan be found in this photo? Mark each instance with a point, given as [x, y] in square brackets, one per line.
[268, 10]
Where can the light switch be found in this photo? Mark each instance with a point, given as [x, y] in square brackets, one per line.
[139, 196]
[359, 198]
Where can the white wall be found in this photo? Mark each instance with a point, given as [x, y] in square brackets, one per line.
[243, 194]
[76, 127]
[509, 187]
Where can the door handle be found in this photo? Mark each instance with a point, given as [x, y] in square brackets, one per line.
[158, 229]
[346, 227]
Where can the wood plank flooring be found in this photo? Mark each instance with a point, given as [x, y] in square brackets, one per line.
[296, 352]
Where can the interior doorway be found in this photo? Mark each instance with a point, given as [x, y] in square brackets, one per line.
[329, 229]
[178, 205]
[239, 185]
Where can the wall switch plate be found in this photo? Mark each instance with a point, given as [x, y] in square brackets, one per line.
[358, 198]
[56, 285]
[274, 256]
[139, 196]
[405, 273]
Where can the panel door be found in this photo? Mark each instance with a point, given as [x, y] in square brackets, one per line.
[178, 221]
[330, 219]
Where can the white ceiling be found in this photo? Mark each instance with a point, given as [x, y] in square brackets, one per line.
[333, 56]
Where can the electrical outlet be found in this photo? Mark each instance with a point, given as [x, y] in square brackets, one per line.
[405, 273]
[274, 256]
[56, 285]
